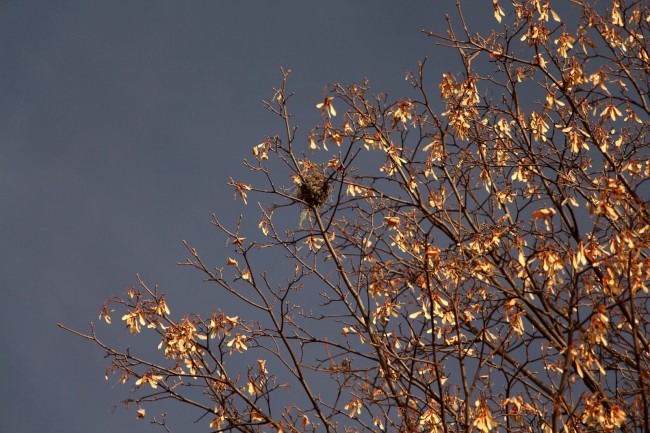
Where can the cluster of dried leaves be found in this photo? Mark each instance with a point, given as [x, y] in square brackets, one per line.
[483, 268]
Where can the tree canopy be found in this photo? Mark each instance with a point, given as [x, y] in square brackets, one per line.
[480, 267]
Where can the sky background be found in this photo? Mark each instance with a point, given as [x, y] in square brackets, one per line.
[121, 123]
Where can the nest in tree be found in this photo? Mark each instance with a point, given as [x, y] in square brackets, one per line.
[315, 188]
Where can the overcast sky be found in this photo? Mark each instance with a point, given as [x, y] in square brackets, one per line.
[121, 122]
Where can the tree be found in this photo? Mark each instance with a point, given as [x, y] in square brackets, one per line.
[481, 268]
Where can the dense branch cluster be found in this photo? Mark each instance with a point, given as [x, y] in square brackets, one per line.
[484, 267]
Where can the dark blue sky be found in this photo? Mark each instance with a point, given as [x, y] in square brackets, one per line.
[121, 122]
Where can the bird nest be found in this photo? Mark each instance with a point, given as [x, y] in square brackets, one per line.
[315, 188]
